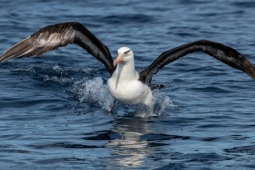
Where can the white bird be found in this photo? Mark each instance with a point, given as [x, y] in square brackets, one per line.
[125, 84]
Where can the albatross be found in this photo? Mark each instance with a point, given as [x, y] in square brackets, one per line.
[125, 84]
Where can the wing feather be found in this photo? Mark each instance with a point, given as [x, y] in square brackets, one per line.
[59, 35]
[219, 51]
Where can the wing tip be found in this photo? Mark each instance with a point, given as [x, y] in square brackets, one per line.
[249, 69]
[3, 58]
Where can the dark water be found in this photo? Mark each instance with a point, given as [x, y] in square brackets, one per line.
[53, 109]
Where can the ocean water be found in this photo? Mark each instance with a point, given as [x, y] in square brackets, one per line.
[54, 109]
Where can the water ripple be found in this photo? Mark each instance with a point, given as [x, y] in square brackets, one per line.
[54, 109]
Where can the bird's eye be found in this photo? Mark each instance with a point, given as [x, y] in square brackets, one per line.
[127, 51]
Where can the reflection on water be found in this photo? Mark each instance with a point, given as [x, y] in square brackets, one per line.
[130, 150]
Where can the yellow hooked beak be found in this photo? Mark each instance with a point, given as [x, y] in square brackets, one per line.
[118, 59]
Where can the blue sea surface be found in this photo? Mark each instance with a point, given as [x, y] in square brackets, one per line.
[54, 108]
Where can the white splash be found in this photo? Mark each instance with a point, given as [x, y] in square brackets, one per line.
[94, 90]
[161, 102]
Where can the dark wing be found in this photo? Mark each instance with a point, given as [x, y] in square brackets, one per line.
[219, 51]
[54, 36]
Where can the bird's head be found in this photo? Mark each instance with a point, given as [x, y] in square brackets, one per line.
[125, 54]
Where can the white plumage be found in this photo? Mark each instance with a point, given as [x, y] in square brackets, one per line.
[124, 85]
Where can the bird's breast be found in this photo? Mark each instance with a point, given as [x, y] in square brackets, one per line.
[130, 91]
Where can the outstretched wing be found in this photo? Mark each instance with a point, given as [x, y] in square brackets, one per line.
[58, 35]
[219, 51]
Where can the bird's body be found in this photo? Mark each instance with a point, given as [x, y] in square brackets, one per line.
[125, 84]
[130, 92]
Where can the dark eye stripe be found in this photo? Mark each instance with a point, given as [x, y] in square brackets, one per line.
[127, 51]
